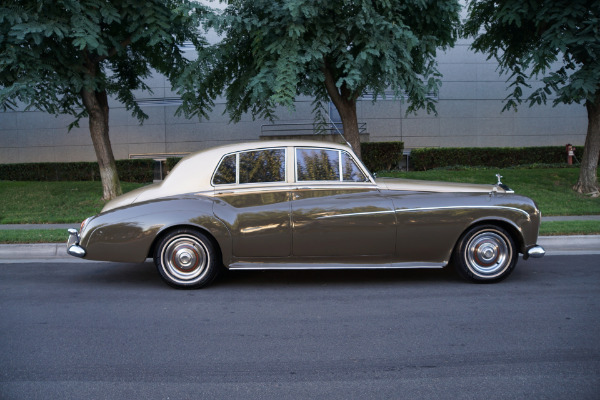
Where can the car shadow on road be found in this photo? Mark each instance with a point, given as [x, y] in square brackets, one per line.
[145, 274]
[335, 277]
[118, 274]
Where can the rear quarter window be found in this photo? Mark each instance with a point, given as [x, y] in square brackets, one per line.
[225, 172]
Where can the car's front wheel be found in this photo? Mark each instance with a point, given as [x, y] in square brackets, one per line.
[485, 253]
[186, 258]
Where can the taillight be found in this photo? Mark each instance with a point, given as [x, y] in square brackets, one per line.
[83, 224]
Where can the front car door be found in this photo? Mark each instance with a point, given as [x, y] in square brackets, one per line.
[337, 211]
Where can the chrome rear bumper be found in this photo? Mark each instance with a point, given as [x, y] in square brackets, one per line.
[536, 252]
[73, 247]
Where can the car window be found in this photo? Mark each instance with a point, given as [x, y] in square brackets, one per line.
[262, 166]
[351, 171]
[254, 167]
[317, 165]
[226, 171]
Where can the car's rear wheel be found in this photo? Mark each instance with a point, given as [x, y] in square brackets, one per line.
[485, 253]
[186, 258]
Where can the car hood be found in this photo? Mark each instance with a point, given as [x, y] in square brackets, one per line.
[433, 186]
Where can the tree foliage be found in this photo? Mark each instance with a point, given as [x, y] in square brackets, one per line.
[557, 42]
[68, 56]
[273, 51]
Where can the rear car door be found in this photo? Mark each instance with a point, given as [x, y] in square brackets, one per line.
[252, 198]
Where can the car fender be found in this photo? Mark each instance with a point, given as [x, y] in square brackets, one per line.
[452, 214]
[127, 234]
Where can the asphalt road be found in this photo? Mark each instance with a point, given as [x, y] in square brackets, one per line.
[105, 331]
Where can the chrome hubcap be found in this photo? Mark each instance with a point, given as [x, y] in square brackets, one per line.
[488, 254]
[185, 258]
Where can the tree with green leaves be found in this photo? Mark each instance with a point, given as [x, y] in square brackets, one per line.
[557, 41]
[275, 50]
[69, 56]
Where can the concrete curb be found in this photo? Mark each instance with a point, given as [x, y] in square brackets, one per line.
[576, 244]
[33, 251]
[52, 252]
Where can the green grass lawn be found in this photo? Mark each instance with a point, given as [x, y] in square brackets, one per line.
[549, 187]
[72, 202]
[34, 236]
[552, 228]
[51, 202]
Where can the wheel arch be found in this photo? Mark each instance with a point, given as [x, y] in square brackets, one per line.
[168, 229]
[495, 261]
[510, 227]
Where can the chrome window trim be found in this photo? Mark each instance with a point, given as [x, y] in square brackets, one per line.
[255, 188]
[356, 161]
[237, 167]
[340, 166]
[296, 180]
[361, 167]
[332, 185]
[223, 157]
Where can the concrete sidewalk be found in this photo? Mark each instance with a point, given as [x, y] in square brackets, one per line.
[568, 218]
[52, 252]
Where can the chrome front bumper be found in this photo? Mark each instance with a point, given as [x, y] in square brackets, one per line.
[535, 252]
[73, 247]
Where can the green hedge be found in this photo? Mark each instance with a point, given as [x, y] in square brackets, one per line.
[499, 157]
[381, 156]
[377, 156]
[141, 171]
[171, 162]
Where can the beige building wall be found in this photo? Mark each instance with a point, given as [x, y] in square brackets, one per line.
[469, 115]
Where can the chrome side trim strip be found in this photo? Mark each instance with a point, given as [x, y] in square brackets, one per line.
[326, 266]
[424, 209]
[357, 214]
[463, 207]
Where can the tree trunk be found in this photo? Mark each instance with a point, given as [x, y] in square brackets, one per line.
[588, 177]
[347, 111]
[96, 104]
[345, 102]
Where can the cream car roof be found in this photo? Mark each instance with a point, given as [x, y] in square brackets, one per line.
[194, 172]
[201, 164]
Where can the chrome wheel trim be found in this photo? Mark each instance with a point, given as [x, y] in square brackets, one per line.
[185, 258]
[488, 254]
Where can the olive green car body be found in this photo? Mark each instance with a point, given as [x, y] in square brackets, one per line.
[373, 223]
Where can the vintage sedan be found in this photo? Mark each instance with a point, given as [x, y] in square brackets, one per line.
[307, 205]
